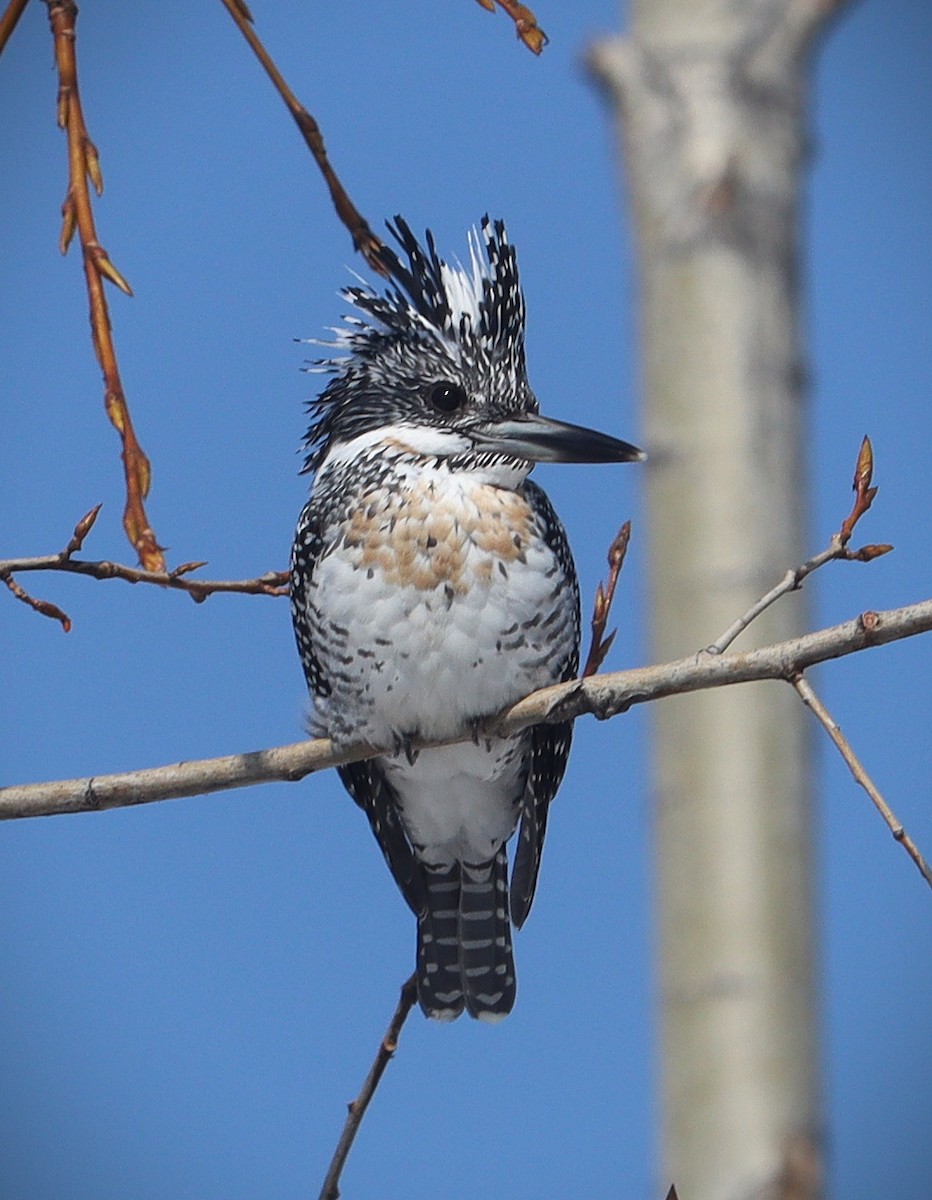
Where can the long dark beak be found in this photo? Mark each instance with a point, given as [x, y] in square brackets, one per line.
[539, 439]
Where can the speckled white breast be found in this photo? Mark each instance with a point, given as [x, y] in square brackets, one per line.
[439, 603]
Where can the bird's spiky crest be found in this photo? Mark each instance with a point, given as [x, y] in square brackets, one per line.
[470, 315]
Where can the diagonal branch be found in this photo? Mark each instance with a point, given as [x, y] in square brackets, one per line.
[836, 549]
[364, 240]
[10, 19]
[357, 1107]
[846, 750]
[602, 695]
[78, 215]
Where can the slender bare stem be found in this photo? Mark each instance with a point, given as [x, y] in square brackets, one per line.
[846, 750]
[364, 240]
[357, 1107]
[272, 583]
[790, 582]
[836, 549]
[78, 215]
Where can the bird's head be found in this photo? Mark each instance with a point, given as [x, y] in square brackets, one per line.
[437, 361]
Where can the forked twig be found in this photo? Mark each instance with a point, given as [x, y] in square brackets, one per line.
[357, 1107]
[272, 583]
[846, 750]
[364, 240]
[526, 26]
[602, 605]
[836, 549]
[78, 215]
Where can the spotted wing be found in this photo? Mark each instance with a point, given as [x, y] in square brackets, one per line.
[550, 748]
[550, 744]
[306, 552]
[368, 786]
[364, 781]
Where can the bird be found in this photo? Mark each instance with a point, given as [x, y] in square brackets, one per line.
[432, 586]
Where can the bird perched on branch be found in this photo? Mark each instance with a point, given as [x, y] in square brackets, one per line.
[432, 586]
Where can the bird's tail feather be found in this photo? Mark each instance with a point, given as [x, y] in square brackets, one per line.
[464, 956]
[438, 976]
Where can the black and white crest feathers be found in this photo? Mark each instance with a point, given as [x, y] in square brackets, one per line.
[484, 303]
[434, 321]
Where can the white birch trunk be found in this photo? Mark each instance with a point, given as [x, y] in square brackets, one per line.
[710, 97]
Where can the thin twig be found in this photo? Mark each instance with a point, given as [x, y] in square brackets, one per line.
[272, 583]
[78, 214]
[364, 240]
[357, 1107]
[602, 605]
[836, 549]
[45, 607]
[845, 749]
[602, 695]
[526, 26]
[10, 19]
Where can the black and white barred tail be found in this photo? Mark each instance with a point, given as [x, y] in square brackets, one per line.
[464, 956]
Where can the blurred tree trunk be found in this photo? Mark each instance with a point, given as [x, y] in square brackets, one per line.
[710, 97]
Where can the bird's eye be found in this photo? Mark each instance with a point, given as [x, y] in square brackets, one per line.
[447, 397]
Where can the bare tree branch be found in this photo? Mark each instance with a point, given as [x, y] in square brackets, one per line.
[602, 695]
[10, 19]
[364, 240]
[272, 583]
[836, 549]
[846, 750]
[357, 1107]
[78, 215]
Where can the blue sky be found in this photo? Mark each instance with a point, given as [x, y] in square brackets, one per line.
[191, 991]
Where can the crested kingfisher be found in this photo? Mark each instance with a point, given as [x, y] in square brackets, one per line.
[432, 586]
